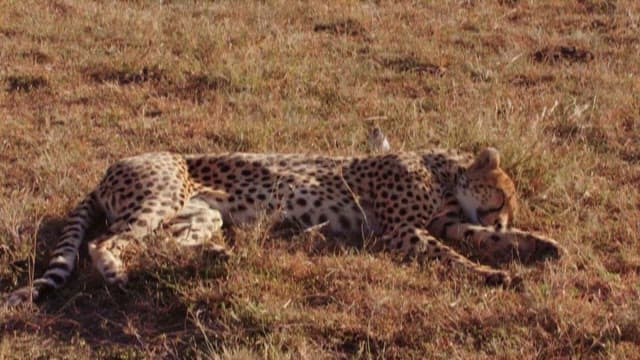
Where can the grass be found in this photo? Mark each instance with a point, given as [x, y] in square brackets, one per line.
[553, 85]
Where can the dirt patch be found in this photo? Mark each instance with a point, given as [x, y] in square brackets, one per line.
[126, 75]
[412, 65]
[348, 27]
[9, 32]
[200, 86]
[598, 6]
[353, 341]
[153, 113]
[531, 80]
[409, 89]
[26, 83]
[61, 8]
[601, 25]
[230, 140]
[562, 53]
[596, 137]
[36, 56]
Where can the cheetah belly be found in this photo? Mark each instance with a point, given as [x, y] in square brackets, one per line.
[300, 205]
[305, 191]
[355, 220]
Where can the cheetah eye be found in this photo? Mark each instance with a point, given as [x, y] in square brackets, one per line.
[498, 225]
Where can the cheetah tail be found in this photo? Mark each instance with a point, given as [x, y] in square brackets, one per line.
[65, 255]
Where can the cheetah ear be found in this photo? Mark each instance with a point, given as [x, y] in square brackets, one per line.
[487, 160]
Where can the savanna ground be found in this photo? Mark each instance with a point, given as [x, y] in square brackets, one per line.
[553, 84]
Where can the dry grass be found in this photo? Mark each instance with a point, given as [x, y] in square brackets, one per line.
[554, 85]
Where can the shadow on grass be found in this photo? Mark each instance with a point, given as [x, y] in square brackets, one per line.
[160, 307]
[151, 311]
[562, 53]
[26, 83]
[177, 301]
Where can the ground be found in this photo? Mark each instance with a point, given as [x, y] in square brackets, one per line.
[553, 85]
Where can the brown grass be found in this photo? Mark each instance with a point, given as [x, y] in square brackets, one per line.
[554, 85]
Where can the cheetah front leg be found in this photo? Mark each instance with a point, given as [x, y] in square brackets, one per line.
[493, 245]
[413, 242]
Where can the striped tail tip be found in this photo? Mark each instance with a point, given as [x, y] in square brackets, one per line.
[30, 294]
[25, 295]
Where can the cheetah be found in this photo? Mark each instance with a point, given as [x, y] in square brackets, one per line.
[418, 205]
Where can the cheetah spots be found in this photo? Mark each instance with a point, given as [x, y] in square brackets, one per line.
[290, 206]
[306, 219]
[344, 222]
[322, 218]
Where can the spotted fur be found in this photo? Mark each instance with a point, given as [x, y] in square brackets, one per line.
[413, 202]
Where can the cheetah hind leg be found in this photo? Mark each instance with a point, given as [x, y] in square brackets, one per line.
[107, 250]
[195, 225]
[410, 242]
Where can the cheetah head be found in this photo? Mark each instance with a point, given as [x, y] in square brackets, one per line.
[486, 192]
